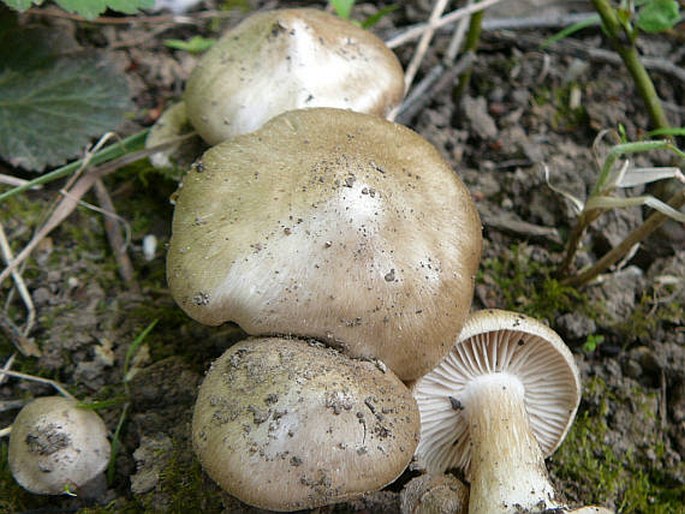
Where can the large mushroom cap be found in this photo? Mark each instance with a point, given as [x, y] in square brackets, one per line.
[333, 225]
[280, 60]
[284, 424]
[56, 446]
[496, 343]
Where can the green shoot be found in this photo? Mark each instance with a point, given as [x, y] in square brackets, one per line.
[378, 16]
[616, 171]
[570, 30]
[592, 342]
[342, 8]
[133, 349]
[116, 437]
[194, 45]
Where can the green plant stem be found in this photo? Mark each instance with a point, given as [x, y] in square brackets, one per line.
[471, 45]
[130, 144]
[623, 40]
[653, 222]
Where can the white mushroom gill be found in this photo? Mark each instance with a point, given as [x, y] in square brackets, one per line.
[507, 469]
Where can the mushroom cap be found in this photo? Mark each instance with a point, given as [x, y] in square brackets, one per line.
[57, 446]
[496, 342]
[280, 60]
[434, 494]
[334, 225]
[285, 424]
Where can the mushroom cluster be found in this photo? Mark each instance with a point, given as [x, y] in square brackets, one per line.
[340, 227]
[314, 219]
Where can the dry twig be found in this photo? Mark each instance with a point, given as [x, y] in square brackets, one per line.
[116, 241]
[416, 31]
[424, 42]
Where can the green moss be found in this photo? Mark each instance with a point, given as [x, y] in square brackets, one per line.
[527, 286]
[567, 116]
[648, 315]
[591, 471]
[186, 486]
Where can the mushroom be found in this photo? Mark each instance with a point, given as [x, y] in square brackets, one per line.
[286, 424]
[503, 399]
[334, 225]
[56, 446]
[286, 59]
[434, 494]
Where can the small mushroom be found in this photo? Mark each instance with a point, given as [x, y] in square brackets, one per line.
[434, 494]
[56, 446]
[280, 60]
[334, 225]
[503, 399]
[285, 424]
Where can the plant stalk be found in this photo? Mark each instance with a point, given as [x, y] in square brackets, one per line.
[622, 39]
[470, 46]
[653, 222]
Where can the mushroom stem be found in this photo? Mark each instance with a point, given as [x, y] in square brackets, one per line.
[507, 472]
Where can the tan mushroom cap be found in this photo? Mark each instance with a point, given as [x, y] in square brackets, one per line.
[56, 446]
[285, 424]
[496, 342]
[286, 59]
[333, 225]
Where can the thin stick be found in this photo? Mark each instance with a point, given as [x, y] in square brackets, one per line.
[5, 431]
[416, 31]
[190, 18]
[22, 343]
[6, 252]
[116, 241]
[435, 80]
[9, 180]
[573, 47]
[69, 201]
[8, 365]
[457, 37]
[424, 43]
[58, 387]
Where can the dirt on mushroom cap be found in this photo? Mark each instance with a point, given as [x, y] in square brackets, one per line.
[333, 225]
[56, 446]
[285, 424]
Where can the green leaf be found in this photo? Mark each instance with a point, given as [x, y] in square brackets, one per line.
[194, 45]
[375, 18]
[21, 5]
[343, 8]
[88, 8]
[47, 115]
[658, 15]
